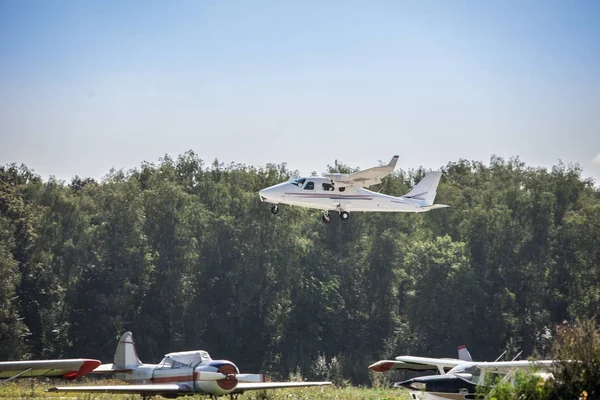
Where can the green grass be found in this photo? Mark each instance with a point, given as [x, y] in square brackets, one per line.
[30, 388]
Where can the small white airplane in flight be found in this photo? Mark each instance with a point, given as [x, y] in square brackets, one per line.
[66, 369]
[178, 374]
[346, 193]
[456, 378]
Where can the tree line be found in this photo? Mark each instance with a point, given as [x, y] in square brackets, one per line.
[184, 255]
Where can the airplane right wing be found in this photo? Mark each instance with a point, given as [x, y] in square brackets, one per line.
[241, 387]
[504, 367]
[148, 390]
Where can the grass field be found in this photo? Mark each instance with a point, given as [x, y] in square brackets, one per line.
[29, 388]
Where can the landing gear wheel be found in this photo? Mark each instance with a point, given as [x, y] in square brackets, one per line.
[326, 218]
[344, 216]
[275, 210]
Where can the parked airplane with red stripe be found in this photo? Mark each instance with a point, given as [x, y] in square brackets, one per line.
[346, 193]
[178, 374]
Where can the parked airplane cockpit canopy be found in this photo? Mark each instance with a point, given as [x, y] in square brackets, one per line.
[184, 359]
[298, 182]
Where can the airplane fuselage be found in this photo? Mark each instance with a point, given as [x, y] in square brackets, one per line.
[188, 377]
[320, 193]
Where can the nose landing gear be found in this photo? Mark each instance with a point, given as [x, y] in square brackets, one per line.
[326, 218]
[275, 210]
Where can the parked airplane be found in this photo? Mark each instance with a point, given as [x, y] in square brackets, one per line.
[178, 374]
[66, 369]
[456, 378]
[345, 193]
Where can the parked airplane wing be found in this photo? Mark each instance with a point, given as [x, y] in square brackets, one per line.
[171, 388]
[367, 177]
[67, 369]
[503, 367]
[415, 364]
[241, 387]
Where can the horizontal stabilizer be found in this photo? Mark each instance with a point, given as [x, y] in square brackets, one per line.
[434, 206]
[109, 369]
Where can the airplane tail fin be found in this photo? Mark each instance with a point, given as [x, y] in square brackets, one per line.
[126, 356]
[392, 164]
[463, 353]
[425, 190]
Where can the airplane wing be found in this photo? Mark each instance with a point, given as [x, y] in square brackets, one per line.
[67, 369]
[242, 387]
[504, 367]
[367, 177]
[170, 388]
[415, 364]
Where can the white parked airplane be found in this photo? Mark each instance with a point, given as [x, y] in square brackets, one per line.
[346, 193]
[178, 374]
[456, 378]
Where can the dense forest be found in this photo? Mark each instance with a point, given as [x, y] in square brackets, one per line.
[185, 256]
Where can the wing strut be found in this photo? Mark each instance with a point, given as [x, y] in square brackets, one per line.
[15, 376]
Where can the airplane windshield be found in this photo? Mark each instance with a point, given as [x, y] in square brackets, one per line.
[298, 182]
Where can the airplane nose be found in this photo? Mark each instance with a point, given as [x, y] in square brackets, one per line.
[262, 194]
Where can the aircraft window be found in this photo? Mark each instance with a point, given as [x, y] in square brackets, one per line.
[298, 182]
[341, 188]
[167, 362]
[328, 187]
[309, 186]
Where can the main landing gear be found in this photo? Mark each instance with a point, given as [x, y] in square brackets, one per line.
[275, 210]
[326, 218]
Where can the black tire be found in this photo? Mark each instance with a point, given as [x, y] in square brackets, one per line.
[344, 216]
[275, 210]
[326, 219]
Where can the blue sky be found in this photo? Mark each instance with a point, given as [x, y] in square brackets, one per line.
[90, 85]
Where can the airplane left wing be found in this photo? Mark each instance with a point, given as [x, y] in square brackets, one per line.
[67, 369]
[412, 363]
[171, 388]
[367, 177]
[241, 387]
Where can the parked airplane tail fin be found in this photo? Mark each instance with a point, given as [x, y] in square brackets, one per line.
[426, 189]
[126, 356]
[463, 353]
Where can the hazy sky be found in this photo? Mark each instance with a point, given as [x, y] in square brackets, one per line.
[88, 85]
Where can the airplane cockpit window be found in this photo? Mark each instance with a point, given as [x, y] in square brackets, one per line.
[309, 186]
[298, 182]
[341, 188]
[184, 359]
[328, 187]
